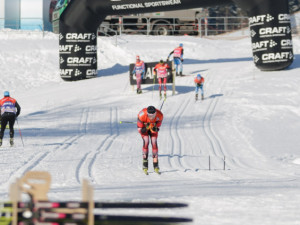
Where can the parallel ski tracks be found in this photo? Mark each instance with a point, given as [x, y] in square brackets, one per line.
[177, 144]
[86, 165]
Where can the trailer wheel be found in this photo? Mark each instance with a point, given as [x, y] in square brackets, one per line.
[162, 30]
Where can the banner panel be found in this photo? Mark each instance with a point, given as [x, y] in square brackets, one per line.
[149, 76]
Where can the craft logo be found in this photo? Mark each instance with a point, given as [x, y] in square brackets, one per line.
[65, 49]
[276, 57]
[91, 48]
[77, 73]
[274, 31]
[256, 58]
[286, 43]
[253, 33]
[66, 72]
[91, 72]
[80, 61]
[80, 37]
[94, 60]
[260, 19]
[263, 45]
[61, 60]
[77, 48]
[284, 18]
[61, 36]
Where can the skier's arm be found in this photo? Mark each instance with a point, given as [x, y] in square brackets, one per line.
[181, 57]
[18, 109]
[171, 53]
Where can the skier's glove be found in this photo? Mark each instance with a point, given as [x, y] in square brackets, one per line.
[155, 129]
[144, 130]
[147, 126]
[181, 60]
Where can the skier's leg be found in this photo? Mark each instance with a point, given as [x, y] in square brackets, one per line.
[138, 82]
[159, 87]
[3, 126]
[181, 66]
[145, 151]
[202, 92]
[154, 149]
[196, 92]
[11, 126]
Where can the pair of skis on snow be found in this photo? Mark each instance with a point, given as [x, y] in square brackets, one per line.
[40, 211]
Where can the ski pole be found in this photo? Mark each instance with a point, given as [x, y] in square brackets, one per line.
[162, 104]
[20, 133]
[127, 122]
[153, 85]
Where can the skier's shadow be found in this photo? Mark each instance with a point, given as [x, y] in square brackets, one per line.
[179, 89]
[216, 95]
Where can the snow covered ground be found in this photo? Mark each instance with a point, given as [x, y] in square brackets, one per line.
[72, 129]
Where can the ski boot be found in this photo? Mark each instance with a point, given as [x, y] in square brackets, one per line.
[0, 142]
[180, 73]
[202, 97]
[156, 168]
[145, 166]
[196, 98]
[165, 96]
[11, 141]
[160, 96]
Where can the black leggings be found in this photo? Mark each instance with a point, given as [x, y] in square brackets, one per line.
[7, 118]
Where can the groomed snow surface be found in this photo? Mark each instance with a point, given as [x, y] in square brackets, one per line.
[73, 130]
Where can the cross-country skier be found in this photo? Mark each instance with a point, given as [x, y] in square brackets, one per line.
[199, 82]
[161, 70]
[10, 110]
[178, 58]
[148, 123]
[139, 71]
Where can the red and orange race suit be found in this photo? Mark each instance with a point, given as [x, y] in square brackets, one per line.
[161, 70]
[7, 104]
[199, 81]
[177, 53]
[144, 121]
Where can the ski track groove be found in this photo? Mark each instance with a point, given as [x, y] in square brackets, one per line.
[107, 142]
[176, 139]
[78, 168]
[33, 161]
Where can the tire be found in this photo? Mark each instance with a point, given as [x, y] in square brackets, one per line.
[162, 30]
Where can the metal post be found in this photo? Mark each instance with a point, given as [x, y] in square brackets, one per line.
[224, 162]
[173, 74]
[199, 27]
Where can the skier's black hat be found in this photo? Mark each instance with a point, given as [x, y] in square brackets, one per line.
[151, 110]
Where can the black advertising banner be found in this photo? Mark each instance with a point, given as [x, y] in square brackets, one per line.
[149, 75]
[269, 26]
[77, 55]
[271, 36]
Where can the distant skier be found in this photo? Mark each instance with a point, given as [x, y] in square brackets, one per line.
[10, 110]
[148, 123]
[199, 82]
[139, 71]
[161, 70]
[178, 58]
